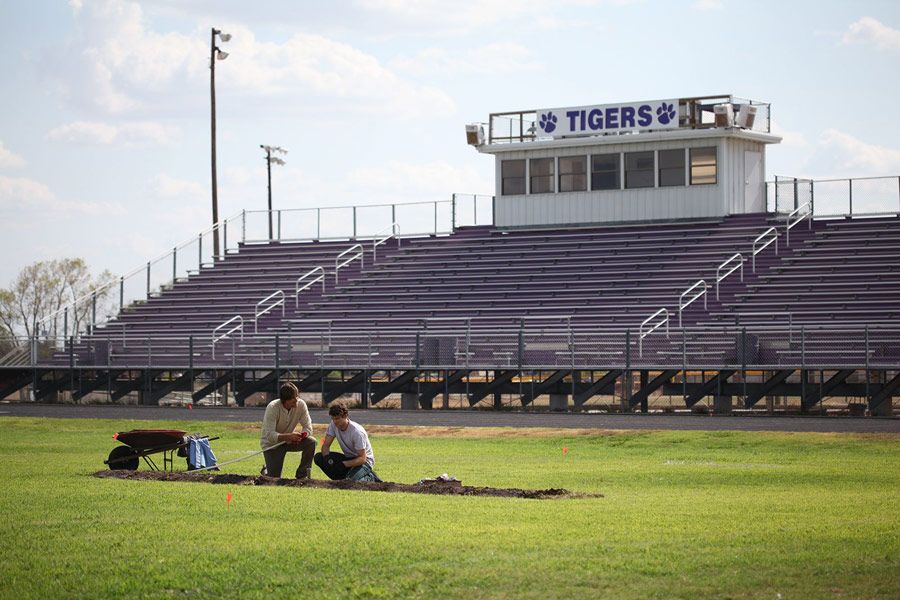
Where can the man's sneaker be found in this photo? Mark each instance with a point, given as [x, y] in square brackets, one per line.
[263, 471]
[304, 474]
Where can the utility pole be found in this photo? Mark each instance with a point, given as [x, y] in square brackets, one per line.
[214, 54]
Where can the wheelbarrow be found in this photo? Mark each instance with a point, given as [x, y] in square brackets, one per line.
[141, 444]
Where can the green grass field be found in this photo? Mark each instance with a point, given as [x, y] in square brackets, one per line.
[684, 515]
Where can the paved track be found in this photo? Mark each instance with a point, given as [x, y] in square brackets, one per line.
[462, 418]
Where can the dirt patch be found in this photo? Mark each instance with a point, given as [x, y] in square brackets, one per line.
[436, 487]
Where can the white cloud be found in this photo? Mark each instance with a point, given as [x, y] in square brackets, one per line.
[10, 160]
[793, 139]
[104, 134]
[851, 157]
[872, 31]
[501, 57]
[19, 194]
[125, 67]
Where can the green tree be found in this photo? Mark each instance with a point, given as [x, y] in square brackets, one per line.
[34, 304]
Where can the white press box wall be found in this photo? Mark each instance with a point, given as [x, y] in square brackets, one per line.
[740, 186]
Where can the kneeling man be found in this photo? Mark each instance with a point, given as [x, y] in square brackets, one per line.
[357, 460]
[279, 425]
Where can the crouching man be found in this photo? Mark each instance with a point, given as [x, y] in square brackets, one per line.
[357, 460]
[279, 425]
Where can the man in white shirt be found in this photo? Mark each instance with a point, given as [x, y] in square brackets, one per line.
[357, 460]
[279, 425]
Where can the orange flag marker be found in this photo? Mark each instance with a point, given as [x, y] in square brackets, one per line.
[228, 498]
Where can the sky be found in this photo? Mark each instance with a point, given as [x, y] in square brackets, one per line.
[104, 114]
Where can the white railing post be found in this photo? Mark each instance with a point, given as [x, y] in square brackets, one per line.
[720, 277]
[642, 334]
[395, 232]
[298, 289]
[682, 304]
[358, 255]
[258, 313]
[790, 221]
[774, 238]
[239, 327]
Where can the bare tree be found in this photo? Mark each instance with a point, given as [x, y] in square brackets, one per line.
[41, 302]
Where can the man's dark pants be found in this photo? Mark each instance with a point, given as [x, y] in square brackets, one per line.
[275, 457]
[332, 465]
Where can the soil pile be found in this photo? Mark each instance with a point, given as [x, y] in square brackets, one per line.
[453, 488]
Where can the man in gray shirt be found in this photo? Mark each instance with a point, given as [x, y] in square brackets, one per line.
[357, 460]
[279, 425]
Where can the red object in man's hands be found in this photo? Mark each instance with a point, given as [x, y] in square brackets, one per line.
[304, 435]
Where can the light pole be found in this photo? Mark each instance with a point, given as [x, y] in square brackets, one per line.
[215, 54]
[269, 160]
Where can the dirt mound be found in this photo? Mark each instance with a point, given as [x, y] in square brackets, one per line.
[453, 488]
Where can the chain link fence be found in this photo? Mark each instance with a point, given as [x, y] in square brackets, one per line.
[870, 196]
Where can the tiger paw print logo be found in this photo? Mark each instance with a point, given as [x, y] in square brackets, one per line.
[665, 113]
[548, 122]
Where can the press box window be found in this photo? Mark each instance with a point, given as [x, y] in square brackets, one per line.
[573, 174]
[513, 175]
[703, 166]
[639, 169]
[605, 172]
[541, 175]
[671, 167]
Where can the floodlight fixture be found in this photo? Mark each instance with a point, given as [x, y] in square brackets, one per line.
[270, 150]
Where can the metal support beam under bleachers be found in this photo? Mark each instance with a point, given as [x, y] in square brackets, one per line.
[218, 381]
[47, 389]
[383, 390]
[644, 392]
[542, 387]
[758, 393]
[345, 387]
[102, 380]
[716, 381]
[164, 388]
[138, 383]
[245, 388]
[600, 386]
[429, 391]
[886, 392]
[481, 390]
[815, 393]
[11, 381]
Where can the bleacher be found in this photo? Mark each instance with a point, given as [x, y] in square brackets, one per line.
[612, 278]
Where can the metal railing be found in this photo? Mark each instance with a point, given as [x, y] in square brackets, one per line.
[239, 327]
[368, 221]
[162, 272]
[258, 313]
[757, 345]
[772, 234]
[642, 334]
[139, 284]
[797, 216]
[683, 305]
[309, 284]
[394, 233]
[848, 197]
[720, 277]
[696, 113]
[357, 256]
